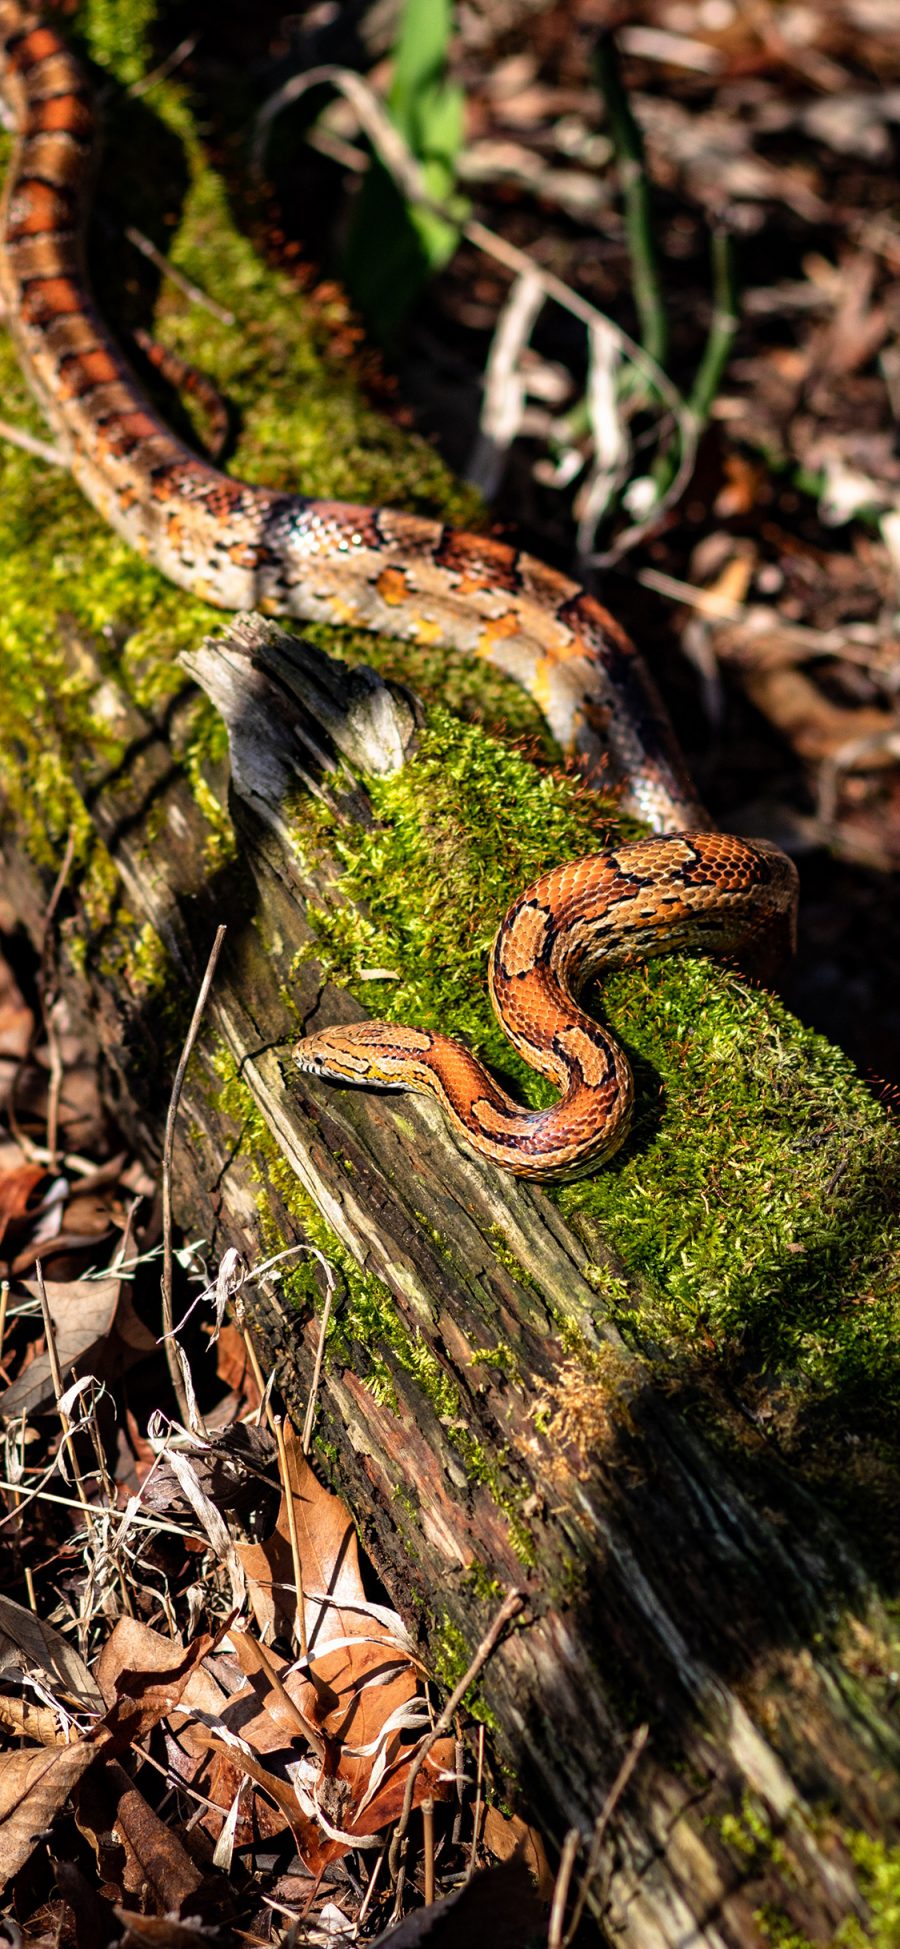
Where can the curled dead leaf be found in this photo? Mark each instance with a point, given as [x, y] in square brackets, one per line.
[34, 1786]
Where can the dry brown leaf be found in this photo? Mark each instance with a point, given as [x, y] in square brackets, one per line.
[505, 1835]
[34, 1785]
[144, 1696]
[87, 1220]
[361, 1684]
[16, 1030]
[333, 1756]
[148, 1862]
[44, 1650]
[233, 1369]
[328, 1553]
[744, 483]
[84, 1314]
[38, 1724]
[165, 1932]
[272, 1783]
[730, 586]
[132, 1646]
[19, 1204]
[136, 1647]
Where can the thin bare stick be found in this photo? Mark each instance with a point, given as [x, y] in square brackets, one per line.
[479, 1786]
[570, 1848]
[56, 1376]
[49, 990]
[257, 1372]
[428, 1837]
[166, 67]
[367, 1898]
[153, 1523]
[600, 1826]
[174, 1354]
[16, 1497]
[509, 1609]
[28, 443]
[288, 1704]
[59, 884]
[176, 277]
[310, 1415]
[291, 1513]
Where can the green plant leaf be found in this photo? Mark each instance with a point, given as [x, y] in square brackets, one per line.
[394, 247]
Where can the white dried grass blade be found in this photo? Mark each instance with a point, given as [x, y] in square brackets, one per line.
[413, 1716]
[504, 383]
[224, 1848]
[212, 1524]
[381, 1613]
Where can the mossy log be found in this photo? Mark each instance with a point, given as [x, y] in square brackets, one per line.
[661, 1403]
[500, 1403]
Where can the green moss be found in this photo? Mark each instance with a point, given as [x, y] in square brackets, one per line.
[368, 1316]
[879, 1875]
[508, 1259]
[466, 823]
[752, 1208]
[487, 1588]
[777, 1929]
[451, 1655]
[117, 35]
[501, 1358]
[879, 1872]
[751, 1838]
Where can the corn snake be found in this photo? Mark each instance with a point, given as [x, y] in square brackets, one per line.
[242, 547]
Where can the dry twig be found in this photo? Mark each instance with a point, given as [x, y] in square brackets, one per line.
[509, 1609]
[177, 1364]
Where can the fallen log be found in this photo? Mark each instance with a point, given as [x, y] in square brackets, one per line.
[505, 1403]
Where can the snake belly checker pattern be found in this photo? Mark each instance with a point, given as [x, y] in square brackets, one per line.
[244, 547]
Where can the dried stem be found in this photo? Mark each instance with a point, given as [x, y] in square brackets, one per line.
[56, 1376]
[570, 1848]
[428, 1839]
[600, 1826]
[479, 1803]
[28, 443]
[310, 1415]
[289, 1705]
[288, 1488]
[174, 1354]
[191, 291]
[509, 1609]
[49, 990]
[628, 147]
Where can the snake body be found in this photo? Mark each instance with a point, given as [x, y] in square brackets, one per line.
[242, 547]
[705, 891]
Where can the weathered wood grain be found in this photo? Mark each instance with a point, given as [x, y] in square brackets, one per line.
[665, 1580]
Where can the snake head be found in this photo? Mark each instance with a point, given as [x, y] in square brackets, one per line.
[374, 1053]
